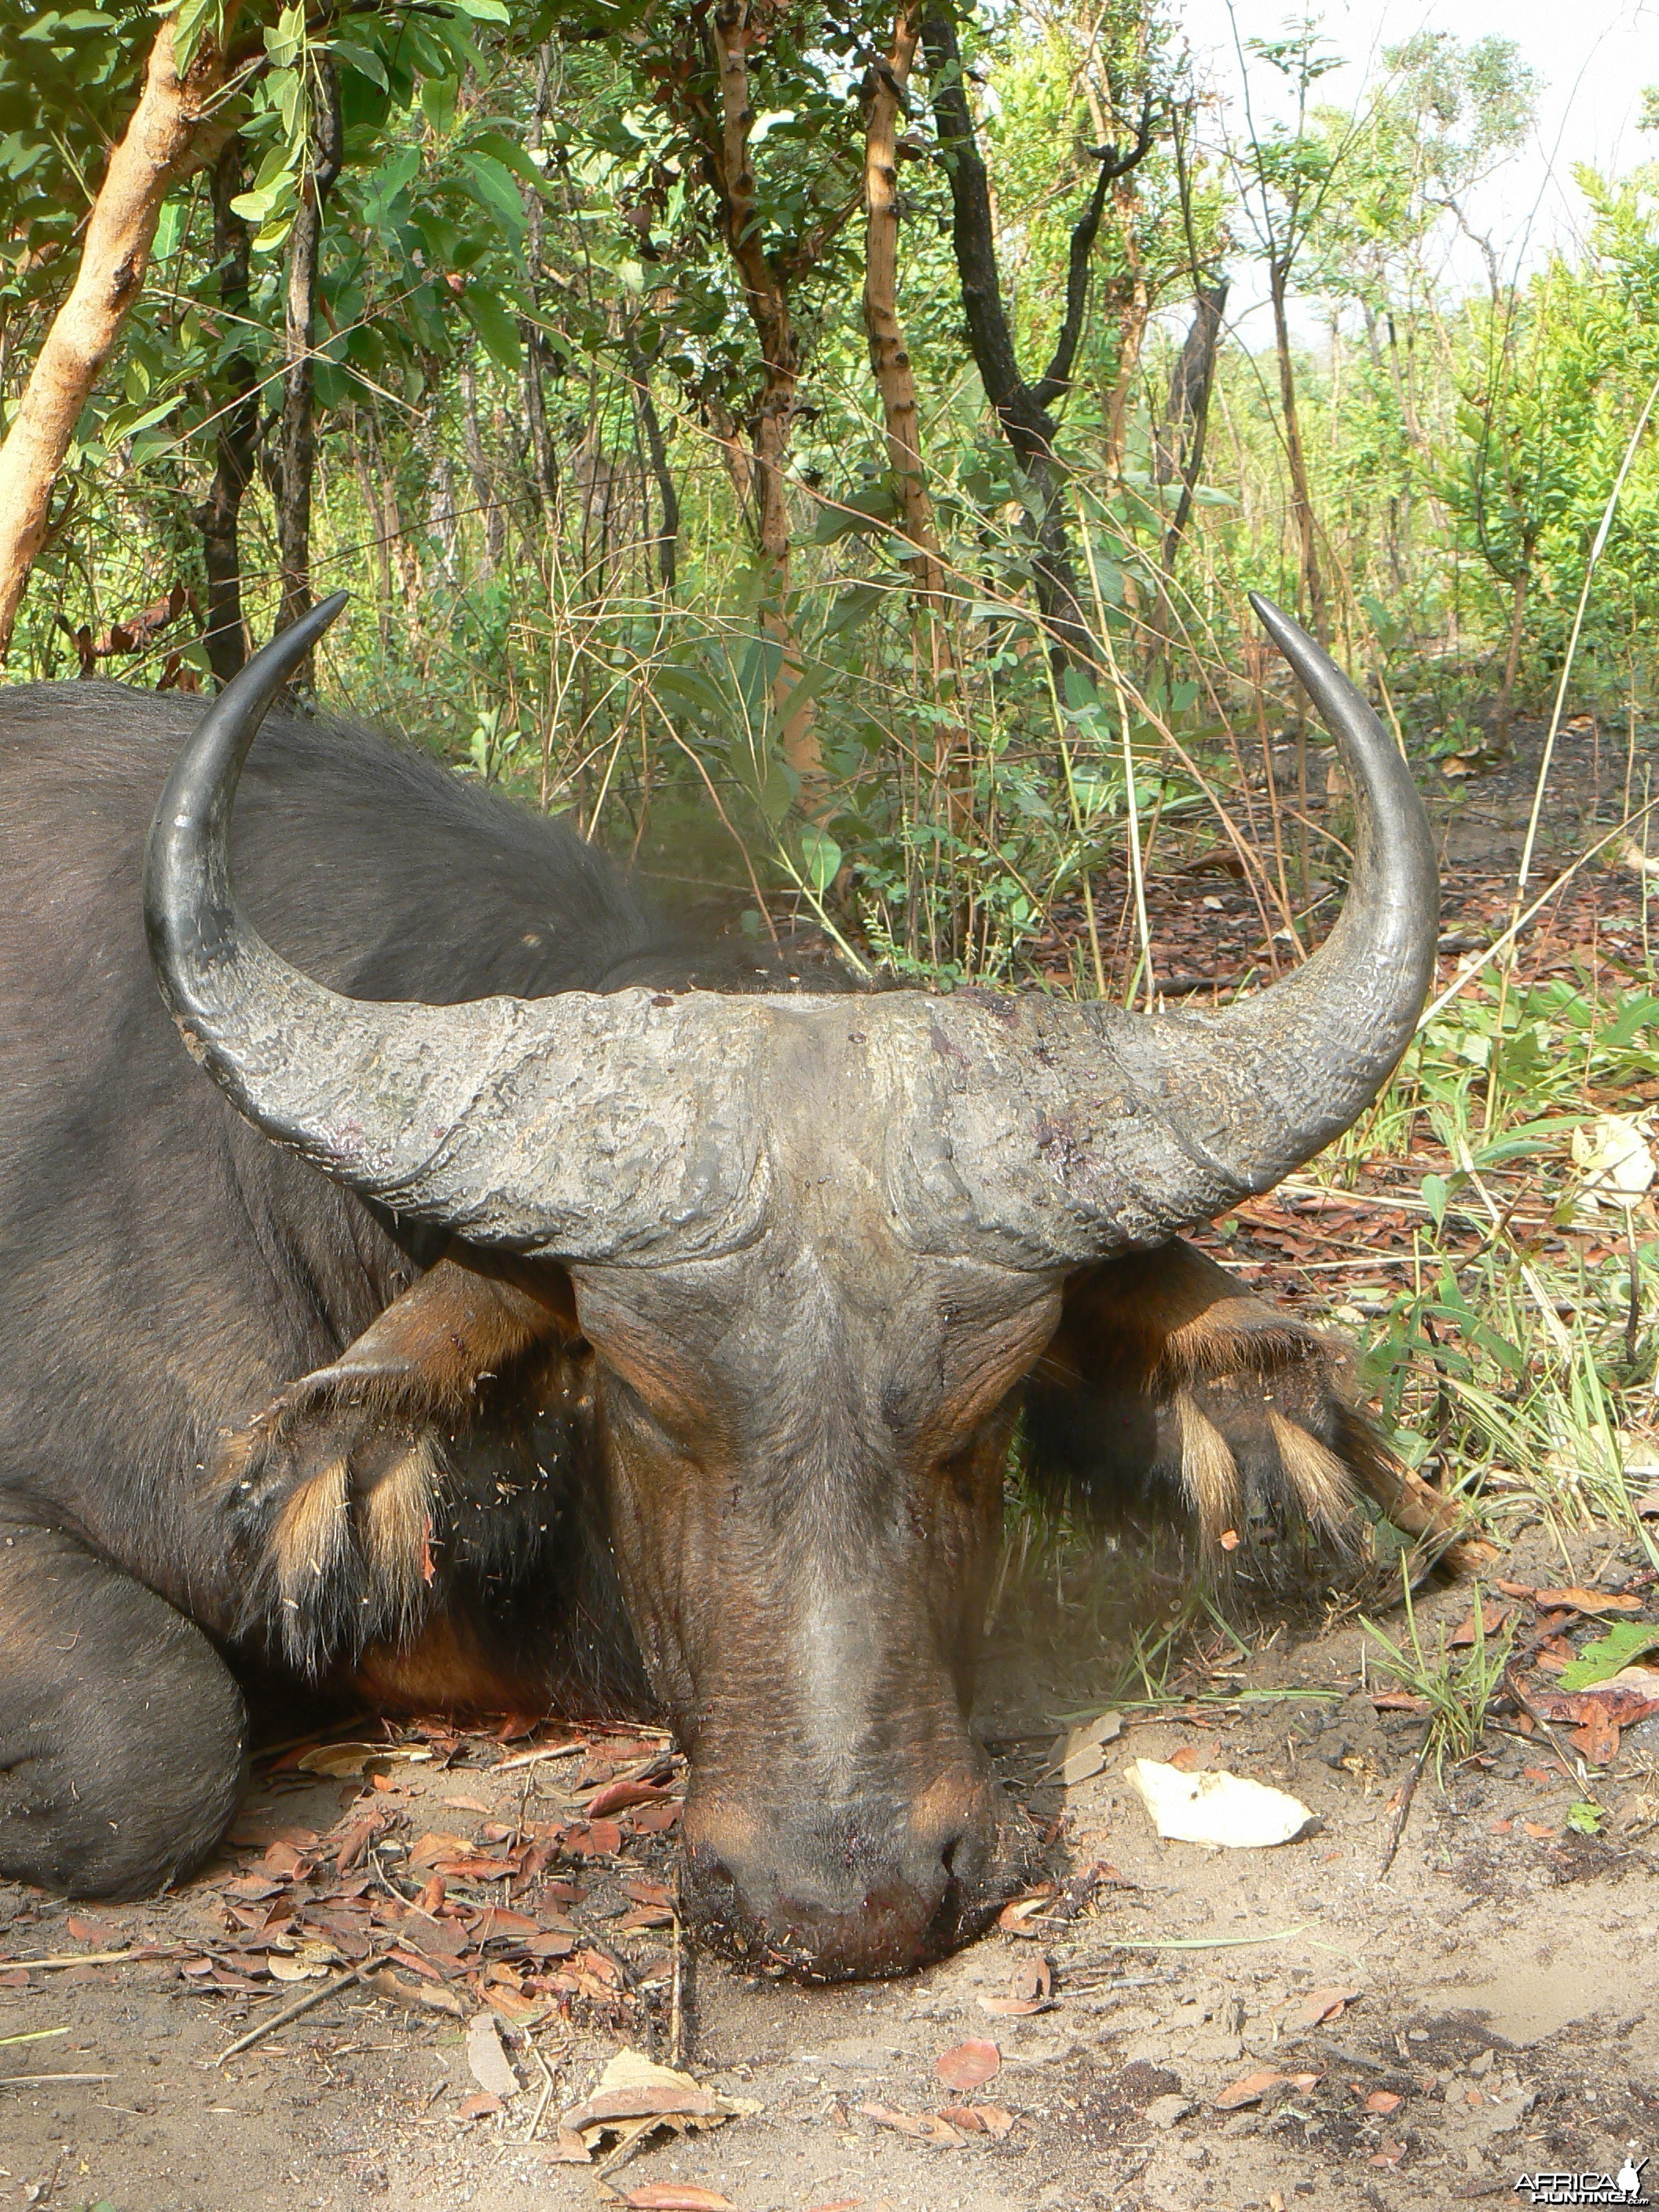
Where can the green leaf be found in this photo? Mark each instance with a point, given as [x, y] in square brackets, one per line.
[1436, 1191]
[363, 59]
[193, 19]
[1585, 1819]
[494, 185]
[494, 325]
[285, 42]
[482, 11]
[1622, 1646]
[822, 855]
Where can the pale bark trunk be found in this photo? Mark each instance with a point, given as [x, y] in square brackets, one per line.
[1301, 501]
[1132, 331]
[371, 500]
[886, 97]
[477, 468]
[165, 136]
[767, 303]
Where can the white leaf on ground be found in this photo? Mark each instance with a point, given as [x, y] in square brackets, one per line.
[486, 2055]
[1613, 1158]
[1225, 1810]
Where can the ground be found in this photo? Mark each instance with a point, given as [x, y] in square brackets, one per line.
[1423, 2033]
[1496, 1984]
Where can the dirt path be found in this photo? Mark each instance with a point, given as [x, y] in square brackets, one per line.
[1503, 2014]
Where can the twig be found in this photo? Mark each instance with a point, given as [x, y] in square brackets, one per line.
[20, 2081]
[535, 1757]
[142, 1953]
[680, 2023]
[371, 1965]
[1407, 1791]
[546, 2098]
[1360, 2058]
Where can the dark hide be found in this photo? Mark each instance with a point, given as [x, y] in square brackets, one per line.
[245, 1426]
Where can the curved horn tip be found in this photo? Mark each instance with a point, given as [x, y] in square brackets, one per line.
[303, 633]
[1284, 631]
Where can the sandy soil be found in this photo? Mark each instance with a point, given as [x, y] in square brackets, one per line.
[1505, 2013]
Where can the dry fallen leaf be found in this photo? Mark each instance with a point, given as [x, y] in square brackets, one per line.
[486, 2056]
[340, 1761]
[921, 2127]
[1012, 1917]
[1251, 2088]
[568, 2148]
[309, 1961]
[1225, 1810]
[1585, 1601]
[634, 2087]
[968, 2064]
[1078, 1755]
[1321, 2005]
[1381, 2100]
[1492, 1617]
[479, 2107]
[1597, 1735]
[978, 2120]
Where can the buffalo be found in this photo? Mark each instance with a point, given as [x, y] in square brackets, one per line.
[537, 1310]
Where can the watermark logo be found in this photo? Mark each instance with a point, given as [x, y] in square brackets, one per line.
[1624, 2187]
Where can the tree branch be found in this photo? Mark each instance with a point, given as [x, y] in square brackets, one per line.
[165, 136]
[1056, 379]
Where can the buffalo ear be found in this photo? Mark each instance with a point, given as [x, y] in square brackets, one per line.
[333, 1496]
[1168, 1394]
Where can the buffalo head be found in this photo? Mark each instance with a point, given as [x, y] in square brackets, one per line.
[815, 1243]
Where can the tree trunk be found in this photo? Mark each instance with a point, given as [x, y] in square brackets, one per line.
[477, 468]
[1301, 503]
[299, 425]
[885, 92]
[1131, 333]
[164, 137]
[1512, 659]
[886, 97]
[236, 398]
[536, 353]
[1181, 443]
[1021, 408]
[668, 537]
[767, 302]
[371, 500]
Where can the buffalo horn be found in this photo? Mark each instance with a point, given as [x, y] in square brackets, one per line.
[1076, 1131]
[590, 1127]
[1026, 1131]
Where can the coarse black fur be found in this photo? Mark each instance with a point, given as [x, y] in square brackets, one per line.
[167, 1274]
[166, 1271]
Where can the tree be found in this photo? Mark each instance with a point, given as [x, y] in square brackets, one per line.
[1285, 177]
[165, 136]
[1024, 410]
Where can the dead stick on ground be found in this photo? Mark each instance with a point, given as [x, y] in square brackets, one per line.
[370, 1965]
[546, 2098]
[141, 1955]
[20, 2081]
[1402, 1810]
